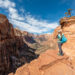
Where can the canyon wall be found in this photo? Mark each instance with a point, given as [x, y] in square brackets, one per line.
[14, 52]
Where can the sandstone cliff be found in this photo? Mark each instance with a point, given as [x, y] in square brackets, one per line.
[14, 52]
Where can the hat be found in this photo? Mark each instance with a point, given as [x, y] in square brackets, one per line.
[59, 31]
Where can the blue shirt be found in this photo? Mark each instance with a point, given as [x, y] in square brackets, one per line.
[61, 39]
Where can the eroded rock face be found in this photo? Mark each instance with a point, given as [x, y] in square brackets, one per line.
[13, 50]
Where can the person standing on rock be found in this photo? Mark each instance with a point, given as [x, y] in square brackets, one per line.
[61, 40]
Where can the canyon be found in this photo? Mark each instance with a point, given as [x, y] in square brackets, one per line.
[23, 53]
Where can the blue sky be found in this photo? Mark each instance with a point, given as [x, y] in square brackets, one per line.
[36, 16]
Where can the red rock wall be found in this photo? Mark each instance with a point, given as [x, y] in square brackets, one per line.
[13, 50]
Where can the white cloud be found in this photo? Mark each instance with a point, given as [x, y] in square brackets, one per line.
[6, 4]
[27, 22]
[14, 14]
[10, 6]
[35, 26]
[42, 24]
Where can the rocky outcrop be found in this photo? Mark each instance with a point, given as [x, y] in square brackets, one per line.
[14, 52]
[67, 21]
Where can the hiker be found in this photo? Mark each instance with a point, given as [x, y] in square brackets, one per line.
[61, 39]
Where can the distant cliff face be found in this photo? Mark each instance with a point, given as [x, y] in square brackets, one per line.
[13, 50]
[31, 38]
[39, 42]
[27, 37]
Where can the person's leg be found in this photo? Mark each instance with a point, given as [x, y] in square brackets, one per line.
[60, 49]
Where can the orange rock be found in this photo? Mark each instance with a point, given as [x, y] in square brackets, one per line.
[47, 64]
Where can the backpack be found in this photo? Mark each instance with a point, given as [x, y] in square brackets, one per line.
[64, 39]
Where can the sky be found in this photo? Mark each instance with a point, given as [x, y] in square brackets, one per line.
[36, 16]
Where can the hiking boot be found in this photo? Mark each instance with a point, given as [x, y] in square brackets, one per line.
[60, 54]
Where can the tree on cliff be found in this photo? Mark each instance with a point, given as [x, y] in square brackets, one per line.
[68, 13]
